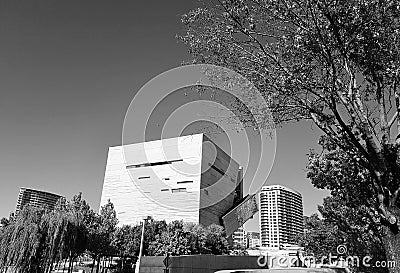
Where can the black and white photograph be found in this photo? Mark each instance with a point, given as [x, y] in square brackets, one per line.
[200, 136]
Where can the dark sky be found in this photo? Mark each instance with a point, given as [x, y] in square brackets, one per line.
[68, 71]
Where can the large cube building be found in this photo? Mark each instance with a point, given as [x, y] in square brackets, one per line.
[185, 178]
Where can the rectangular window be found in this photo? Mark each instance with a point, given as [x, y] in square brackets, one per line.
[153, 164]
[217, 169]
[178, 190]
[144, 177]
[184, 182]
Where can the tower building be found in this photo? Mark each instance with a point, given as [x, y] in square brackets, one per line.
[281, 216]
[36, 198]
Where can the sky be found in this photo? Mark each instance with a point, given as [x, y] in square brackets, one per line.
[68, 72]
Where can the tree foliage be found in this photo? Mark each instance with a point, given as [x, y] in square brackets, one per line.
[101, 229]
[37, 238]
[126, 240]
[319, 238]
[176, 238]
[188, 239]
[4, 222]
[322, 237]
[333, 62]
[347, 213]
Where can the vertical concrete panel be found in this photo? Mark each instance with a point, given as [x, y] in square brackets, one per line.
[218, 183]
[147, 190]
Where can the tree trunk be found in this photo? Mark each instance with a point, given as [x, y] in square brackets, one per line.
[391, 243]
[94, 263]
[98, 264]
[51, 265]
[70, 265]
[109, 263]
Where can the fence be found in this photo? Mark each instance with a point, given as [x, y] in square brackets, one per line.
[197, 263]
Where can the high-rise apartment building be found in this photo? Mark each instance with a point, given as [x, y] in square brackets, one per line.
[239, 239]
[281, 216]
[185, 178]
[253, 239]
[36, 198]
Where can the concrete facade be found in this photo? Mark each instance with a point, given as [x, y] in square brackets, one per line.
[186, 178]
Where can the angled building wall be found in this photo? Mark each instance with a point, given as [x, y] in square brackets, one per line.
[219, 183]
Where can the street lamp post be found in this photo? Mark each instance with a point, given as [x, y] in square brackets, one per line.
[137, 268]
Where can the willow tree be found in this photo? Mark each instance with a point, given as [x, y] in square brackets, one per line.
[334, 62]
[23, 242]
[66, 231]
[38, 237]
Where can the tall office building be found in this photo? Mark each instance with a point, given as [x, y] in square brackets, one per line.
[281, 216]
[36, 198]
[185, 178]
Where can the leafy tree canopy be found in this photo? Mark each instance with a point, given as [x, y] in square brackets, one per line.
[335, 63]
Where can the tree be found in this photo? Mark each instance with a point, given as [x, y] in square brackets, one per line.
[126, 240]
[333, 62]
[322, 237]
[22, 242]
[26, 243]
[215, 242]
[4, 222]
[181, 238]
[58, 229]
[175, 239]
[355, 233]
[319, 238]
[108, 225]
[78, 215]
[348, 208]
[37, 238]
[101, 229]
